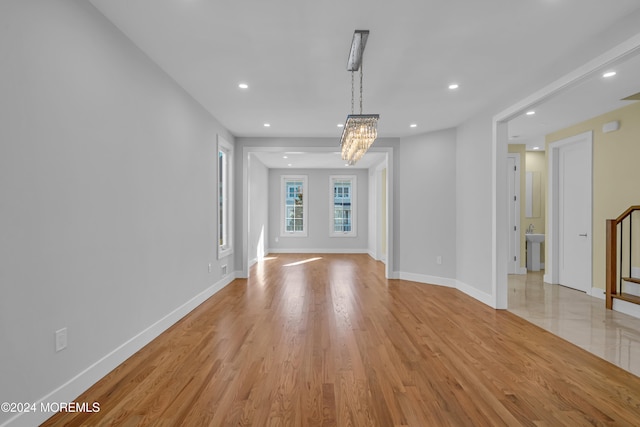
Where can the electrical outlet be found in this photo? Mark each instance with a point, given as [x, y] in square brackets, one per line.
[61, 339]
[209, 267]
[223, 269]
[439, 259]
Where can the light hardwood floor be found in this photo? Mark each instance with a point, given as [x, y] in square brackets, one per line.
[326, 340]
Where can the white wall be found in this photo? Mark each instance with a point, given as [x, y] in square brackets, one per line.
[258, 210]
[318, 198]
[427, 224]
[107, 199]
[474, 207]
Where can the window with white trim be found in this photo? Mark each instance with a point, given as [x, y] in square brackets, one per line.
[342, 206]
[294, 206]
[225, 198]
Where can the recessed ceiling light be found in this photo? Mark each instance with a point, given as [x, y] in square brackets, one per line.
[267, 125]
[536, 148]
[454, 86]
[289, 164]
[285, 157]
[413, 125]
[609, 74]
[530, 113]
[243, 86]
[347, 164]
[340, 125]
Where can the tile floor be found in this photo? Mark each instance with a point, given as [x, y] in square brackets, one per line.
[578, 318]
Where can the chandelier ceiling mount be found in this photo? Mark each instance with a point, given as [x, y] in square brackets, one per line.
[360, 130]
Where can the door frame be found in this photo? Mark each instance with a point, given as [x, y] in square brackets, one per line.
[552, 260]
[514, 267]
[243, 175]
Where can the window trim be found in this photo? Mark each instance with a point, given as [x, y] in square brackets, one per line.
[305, 206]
[226, 195]
[354, 206]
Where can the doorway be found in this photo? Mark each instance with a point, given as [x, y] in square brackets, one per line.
[250, 235]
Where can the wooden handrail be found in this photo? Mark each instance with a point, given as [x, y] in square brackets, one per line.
[612, 257]
[626, 214]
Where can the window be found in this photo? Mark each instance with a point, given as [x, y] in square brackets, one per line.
[225, 198]
[294, 205]
[342, 206]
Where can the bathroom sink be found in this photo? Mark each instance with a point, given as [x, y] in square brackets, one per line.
[535, 238]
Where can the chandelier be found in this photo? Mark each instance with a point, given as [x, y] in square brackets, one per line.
[360, 130]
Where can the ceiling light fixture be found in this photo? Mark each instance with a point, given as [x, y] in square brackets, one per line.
[360, 130]
[609, 74]
[267, 125]
[413, 125]
[453, 86]
[530, 113]
[243, 86]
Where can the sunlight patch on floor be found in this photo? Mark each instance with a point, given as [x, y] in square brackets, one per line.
[302, 262]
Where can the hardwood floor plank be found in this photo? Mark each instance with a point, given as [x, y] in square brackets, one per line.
[326, 340]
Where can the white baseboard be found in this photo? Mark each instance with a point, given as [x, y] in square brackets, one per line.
[318, 251]
[598, 293]
[75, 386]
[382, 258]
[523, 270]
[252, 262]
[475, 293]
[527, 270]
[450, 283]
[432, 280]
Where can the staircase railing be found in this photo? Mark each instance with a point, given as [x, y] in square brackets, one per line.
[620, 243]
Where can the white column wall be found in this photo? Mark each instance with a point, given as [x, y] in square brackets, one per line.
[427, 224]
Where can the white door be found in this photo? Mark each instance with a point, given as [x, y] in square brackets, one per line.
[514, 213]
[574, 193]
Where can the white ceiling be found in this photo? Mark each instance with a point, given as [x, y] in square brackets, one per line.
[293, 56]
[592, 97]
